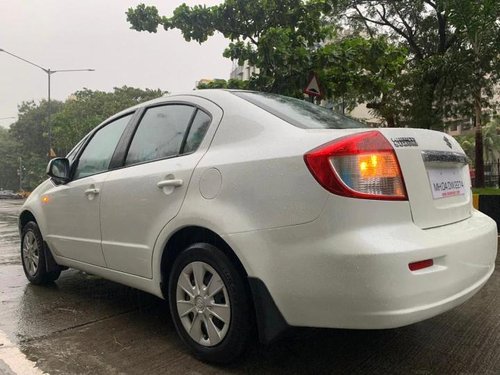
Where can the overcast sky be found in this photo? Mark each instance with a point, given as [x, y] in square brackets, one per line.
[75, 34]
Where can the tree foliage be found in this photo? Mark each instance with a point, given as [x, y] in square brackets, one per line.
[30, 134]
[223, 84]
[30, 130]
[450, 67]
[423, 27]
[9, 151]
[286, 40]
[275, 36]
[442, 70]
[358, 69]
[478, 25]
[454, 64]
[491, 142]
[86, 108]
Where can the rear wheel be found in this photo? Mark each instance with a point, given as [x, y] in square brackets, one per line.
[33, 256]
[209, 304]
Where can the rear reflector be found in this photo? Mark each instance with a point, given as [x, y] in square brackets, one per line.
[415, 266]
[363, 165]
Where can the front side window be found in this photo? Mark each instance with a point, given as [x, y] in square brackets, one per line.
[99, 151]
[160, 133]
[74, 151]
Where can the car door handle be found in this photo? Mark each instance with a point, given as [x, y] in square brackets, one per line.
[173, 182]
[92, 191]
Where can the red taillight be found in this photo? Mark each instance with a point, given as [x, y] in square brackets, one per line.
[363, 165]
[415, 266]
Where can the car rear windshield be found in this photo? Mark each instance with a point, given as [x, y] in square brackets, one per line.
[299, 113]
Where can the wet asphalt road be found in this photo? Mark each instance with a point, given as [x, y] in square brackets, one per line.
[83, 324]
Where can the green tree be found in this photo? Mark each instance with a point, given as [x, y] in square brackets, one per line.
[357, 69]
[477, 24]
[30, 134]
[223, 84]
[30, 130]
[85, 109]
[27, 138]
[9, 161]
[423, 28]
[275, 36]
[286, 40]
[468, 144]
[491, 142]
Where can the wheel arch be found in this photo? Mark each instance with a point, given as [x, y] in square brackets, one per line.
[270, 322]
[25, 217]
[186, 236]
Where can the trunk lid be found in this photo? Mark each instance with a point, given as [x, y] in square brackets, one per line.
[435, 173]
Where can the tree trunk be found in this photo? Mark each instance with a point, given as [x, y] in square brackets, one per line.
[391, 121]
[479, 163]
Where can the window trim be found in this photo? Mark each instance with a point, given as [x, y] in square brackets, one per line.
[76, 150]
[188, 130]
[196, 108]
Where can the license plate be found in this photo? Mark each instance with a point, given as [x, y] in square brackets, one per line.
[446, 182]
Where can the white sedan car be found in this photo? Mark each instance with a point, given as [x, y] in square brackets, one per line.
[245, 209]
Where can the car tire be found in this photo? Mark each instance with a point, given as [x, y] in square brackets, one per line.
[215, 326]
[33, 256]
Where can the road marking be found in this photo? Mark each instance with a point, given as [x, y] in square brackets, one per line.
[12, 361]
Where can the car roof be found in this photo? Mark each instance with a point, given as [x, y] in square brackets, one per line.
[210, 94]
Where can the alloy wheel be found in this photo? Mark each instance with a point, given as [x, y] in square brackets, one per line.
[31, 253]
[203, 303]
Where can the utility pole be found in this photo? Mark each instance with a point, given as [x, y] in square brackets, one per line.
[20, 173]
[49, 72]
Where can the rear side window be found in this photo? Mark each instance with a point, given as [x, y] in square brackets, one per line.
[97, 155]
[160, 133]
[198, 129]
[299, 113]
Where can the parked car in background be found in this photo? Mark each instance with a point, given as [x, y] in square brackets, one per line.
[243, 208]
[9, 194]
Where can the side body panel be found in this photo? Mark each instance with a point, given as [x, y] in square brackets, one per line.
[262, 181]
[134, 209]
[72, 220]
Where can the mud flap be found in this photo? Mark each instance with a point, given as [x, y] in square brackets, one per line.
[270, 322]
[50, 263]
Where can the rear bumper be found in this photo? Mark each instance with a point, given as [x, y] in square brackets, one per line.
[359, 278]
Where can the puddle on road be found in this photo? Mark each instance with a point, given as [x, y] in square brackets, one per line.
[9, 235]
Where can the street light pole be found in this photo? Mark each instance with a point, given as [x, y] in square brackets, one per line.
[49, 72]
[20, 173]
[49, 127]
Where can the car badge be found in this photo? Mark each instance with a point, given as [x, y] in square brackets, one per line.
[404, 142]
[447, 141]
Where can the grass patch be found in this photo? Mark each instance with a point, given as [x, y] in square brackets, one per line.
[486, 191]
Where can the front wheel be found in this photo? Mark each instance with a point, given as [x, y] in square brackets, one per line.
[209, 304]
[33, 256]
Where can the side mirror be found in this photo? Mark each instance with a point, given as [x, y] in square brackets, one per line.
[59, 170]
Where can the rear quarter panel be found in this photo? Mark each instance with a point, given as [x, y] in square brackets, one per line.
[264, 182]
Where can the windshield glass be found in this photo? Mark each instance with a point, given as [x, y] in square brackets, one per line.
[299, 113]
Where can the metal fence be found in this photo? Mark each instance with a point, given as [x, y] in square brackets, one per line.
[491, 175]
